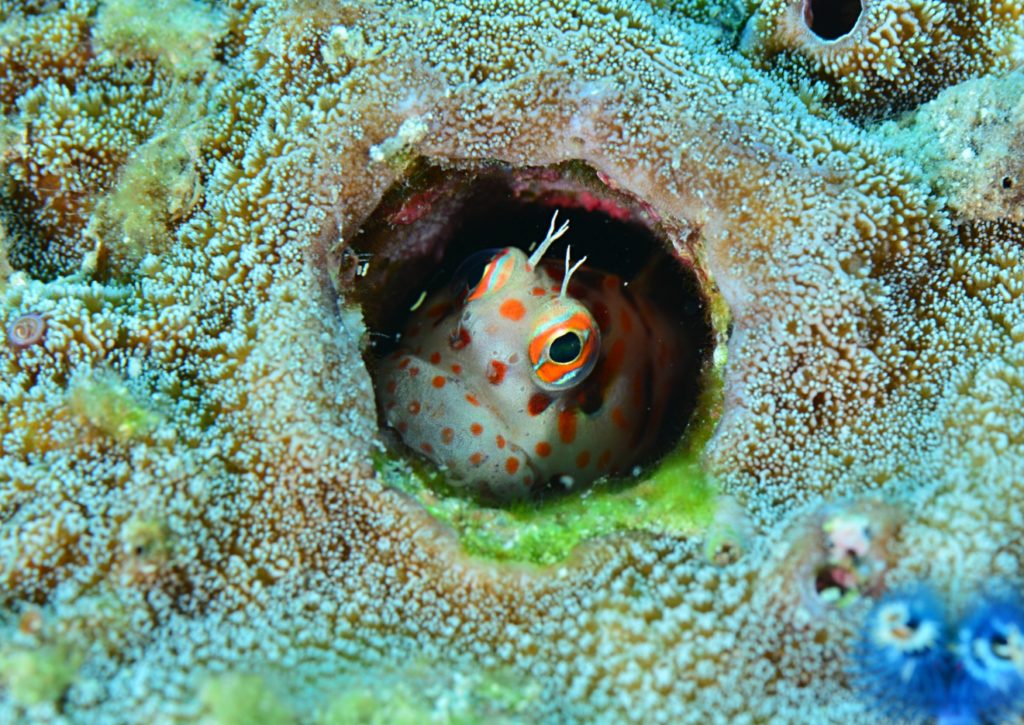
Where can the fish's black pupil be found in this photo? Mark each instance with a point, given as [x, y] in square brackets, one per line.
[565, 348]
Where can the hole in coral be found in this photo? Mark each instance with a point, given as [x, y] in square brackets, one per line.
[484, 368]
[834, 584]
[831, 19]
[1007, 182]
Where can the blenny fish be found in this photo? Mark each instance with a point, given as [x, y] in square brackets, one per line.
[538, 375]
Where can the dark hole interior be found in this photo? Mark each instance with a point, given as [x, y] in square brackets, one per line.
[826, 579]
[1007, 182]
[831, 19]
[439, 226]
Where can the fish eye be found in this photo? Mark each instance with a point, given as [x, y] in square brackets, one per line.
[469, 273]
[565, 348]
[497, 272]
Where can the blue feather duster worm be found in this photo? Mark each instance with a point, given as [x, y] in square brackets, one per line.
[903, 661]
[988, 680]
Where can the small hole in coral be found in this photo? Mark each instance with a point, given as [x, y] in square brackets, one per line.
[1007, 182]
[833, 583]
[831, 19]
[450, 327]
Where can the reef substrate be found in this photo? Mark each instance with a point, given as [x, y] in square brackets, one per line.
[198, 516]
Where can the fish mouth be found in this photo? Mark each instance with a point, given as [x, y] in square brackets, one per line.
[442, 213]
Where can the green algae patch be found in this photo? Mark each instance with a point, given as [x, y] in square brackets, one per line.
[239, 699]
[677, 497]
[157, 187]
[104, 400]
[422, 694]
[181, 34]
[38, 676]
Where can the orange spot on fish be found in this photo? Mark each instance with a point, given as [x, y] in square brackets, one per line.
[392, 386]
[511, 465]
[426, 448]
[414, 407]
[402, 427]
[538, 403]
[435, 358]
[457, 369]
[543, 449]
[438, 381]
[413, 372]
[476, 459]
[500, 441]
[496, 372]
[583, 459]
[512, 309]
[567, 426]
[405, 362]
[459, 339]
[620, 418]
[447, 435]
[538, 292]
[471, 399]
[476, 429]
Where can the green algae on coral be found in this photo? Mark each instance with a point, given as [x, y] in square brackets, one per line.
[38, 676]
[416, 695]
[180, 34]
[106, 402]
[240, 699]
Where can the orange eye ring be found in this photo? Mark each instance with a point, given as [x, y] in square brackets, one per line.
[564, 346]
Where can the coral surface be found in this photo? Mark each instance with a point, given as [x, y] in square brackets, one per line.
[199, 518]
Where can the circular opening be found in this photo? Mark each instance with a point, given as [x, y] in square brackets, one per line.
[831, 19]
[1007, 182]
[483, 357]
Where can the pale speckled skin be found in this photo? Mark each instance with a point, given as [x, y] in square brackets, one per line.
[451, 402]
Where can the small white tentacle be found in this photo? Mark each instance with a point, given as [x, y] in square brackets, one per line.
[549, 239]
